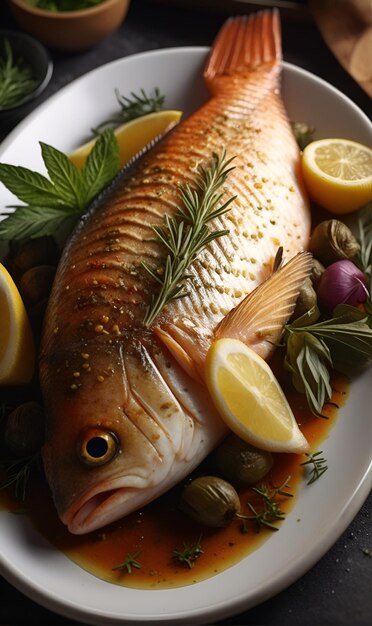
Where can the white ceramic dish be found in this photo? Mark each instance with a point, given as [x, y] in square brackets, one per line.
[325, 509]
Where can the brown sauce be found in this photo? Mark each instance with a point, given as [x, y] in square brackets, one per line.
[152, 534]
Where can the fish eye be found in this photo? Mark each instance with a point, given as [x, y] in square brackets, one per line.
[97, 446]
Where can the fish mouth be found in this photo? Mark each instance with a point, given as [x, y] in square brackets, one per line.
[102, 506]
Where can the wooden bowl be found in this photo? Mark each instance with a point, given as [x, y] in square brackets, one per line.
[70, 30]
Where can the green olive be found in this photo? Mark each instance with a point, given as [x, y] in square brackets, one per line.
[210, 501]
[307, 299]
[331, 241]
[35, 284]
[242, 463]
[317, 270]
[27, 254]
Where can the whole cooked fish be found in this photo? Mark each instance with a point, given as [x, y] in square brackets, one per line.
[128, 413]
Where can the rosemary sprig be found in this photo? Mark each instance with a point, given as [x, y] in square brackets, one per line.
[16, 81]
[271, 511]
[129, 563]
[318, 465]
[187, 233]
[132, 107]
[190, 553]
[18, 472]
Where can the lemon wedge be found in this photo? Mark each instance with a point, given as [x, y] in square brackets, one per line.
[338, 174]
[250, 399]
[17, 350]
[133, 135]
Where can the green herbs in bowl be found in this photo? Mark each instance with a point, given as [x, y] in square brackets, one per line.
[16, 78]
[25, 70]
[64, 5]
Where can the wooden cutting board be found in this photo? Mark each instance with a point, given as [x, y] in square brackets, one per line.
[346, 26]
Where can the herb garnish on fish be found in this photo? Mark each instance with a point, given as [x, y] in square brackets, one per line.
[60, 201]
[186, 234]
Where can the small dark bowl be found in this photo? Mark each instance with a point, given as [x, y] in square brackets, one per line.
[30, 53]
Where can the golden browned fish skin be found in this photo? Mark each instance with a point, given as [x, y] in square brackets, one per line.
[101, 368]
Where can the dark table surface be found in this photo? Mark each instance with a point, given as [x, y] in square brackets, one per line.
[338, 589]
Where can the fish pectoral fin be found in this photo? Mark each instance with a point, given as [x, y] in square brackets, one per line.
[259, 319]
[243, 45]
[182, 357]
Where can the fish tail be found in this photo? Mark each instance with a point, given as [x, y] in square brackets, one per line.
[243, 46]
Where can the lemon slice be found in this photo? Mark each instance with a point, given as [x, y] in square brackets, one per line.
[133, 135]
[250, 399]
[338, 174]
[17, 350]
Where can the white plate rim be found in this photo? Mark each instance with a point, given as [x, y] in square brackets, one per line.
[299, 566]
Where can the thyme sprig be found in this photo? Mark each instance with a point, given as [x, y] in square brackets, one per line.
[129, 563]
[187, 233]
[271, 510]
[131, 107]
[190, 553]
[318, 465]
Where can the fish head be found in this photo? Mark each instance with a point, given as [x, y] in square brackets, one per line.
[114, 430]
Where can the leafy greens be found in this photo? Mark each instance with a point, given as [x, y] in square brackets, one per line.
[58, 201]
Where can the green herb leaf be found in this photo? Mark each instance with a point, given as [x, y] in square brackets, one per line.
[30, 187]
[35, 221]
[101, 165]
[308, 359]
[52, 205]
[343, 342]
[65, 176]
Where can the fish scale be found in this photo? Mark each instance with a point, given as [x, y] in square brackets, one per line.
[104, 373]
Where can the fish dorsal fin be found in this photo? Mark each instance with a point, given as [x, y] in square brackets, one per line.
[259, 319]
[243, 45]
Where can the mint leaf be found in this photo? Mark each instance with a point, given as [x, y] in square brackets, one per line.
[30, 187]
[57, 203]
[101, 165]
[35, 221]
[66, 177]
